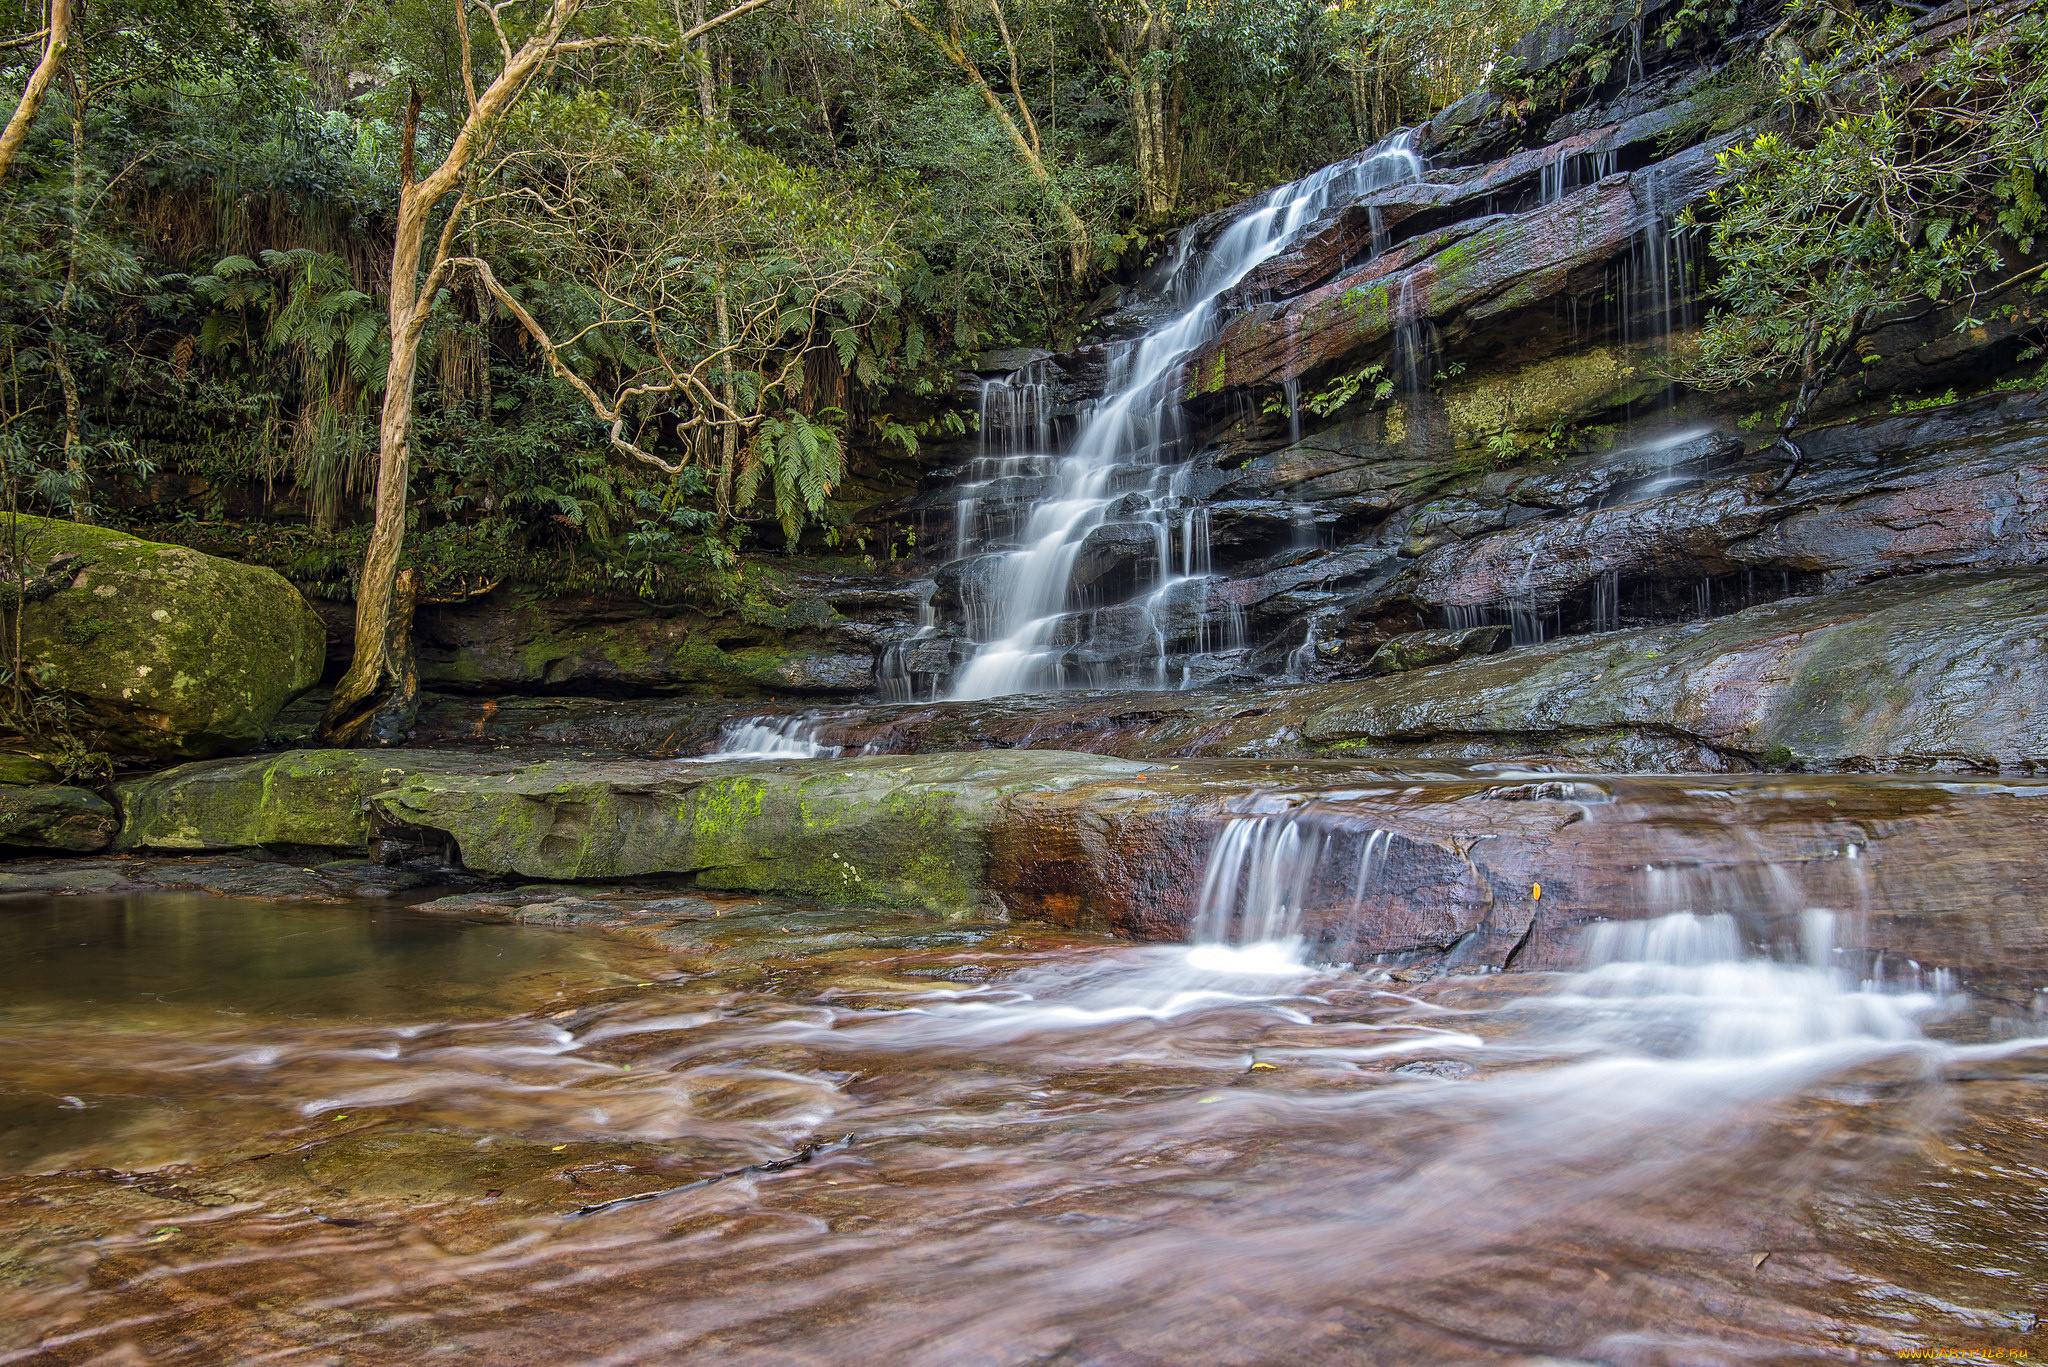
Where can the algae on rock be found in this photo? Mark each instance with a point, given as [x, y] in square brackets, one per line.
[50, 817]
[889, 830]
[310, 798]
[167, 652]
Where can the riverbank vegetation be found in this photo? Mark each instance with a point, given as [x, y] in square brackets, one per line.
[410, 299]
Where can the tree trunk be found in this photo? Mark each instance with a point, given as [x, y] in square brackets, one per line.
[1156, 138]
[728, 432]
[1077, 230]
[60, 341]
[377, 699]
[38, 85]
[707, 101]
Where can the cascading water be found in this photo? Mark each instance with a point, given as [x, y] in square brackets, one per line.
[771, 738]
[1260, 876]
[1013, 456]
[895, 679]
[1025, 610]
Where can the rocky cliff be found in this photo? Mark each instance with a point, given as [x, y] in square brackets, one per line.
[1449, 405]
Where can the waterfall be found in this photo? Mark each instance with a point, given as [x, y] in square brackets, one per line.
[1013, 444]
[1607, 601]
[1022, 613]
[771, 738]
[895, 680]
[1571, 171]
[1655, 279]
[1264, 873]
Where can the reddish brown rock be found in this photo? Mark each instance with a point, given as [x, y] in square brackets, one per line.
[1447, 871]
[1456, 277]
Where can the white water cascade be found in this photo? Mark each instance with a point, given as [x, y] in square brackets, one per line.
[771, 738]
[1023, 610]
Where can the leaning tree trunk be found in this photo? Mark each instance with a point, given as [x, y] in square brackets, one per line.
[377, 699]
[375, 702]
[57, 36]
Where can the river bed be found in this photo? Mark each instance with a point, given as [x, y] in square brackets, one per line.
[245, 1131]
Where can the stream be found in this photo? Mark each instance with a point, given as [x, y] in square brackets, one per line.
[253, 1131]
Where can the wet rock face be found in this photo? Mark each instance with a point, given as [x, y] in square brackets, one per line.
[167, 653]
[516, 643]
[1939, 671]
[1486, 269]
[1961, 501]
[1471, 873]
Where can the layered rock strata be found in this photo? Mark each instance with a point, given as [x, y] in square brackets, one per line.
[1449, 869]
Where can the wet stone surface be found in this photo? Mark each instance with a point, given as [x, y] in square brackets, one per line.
[372, 1133]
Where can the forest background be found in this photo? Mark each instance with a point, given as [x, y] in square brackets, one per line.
[409, 298]
[789, 234]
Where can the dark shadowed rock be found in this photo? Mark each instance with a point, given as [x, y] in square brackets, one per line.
[1116, 551]
[1417, 649]
[1966, 502]
[55, 818]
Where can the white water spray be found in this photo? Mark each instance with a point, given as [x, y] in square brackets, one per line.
[771, 738]
[1025, 622]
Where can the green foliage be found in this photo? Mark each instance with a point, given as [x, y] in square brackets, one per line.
[214, 273]
[801, 459]
[1555, 445]
[1908, 174]
[1346, 387]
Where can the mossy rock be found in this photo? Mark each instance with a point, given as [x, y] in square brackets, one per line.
[167, 652]
[55, 818]
[891, 830]
[1419, 649]
[302, 798]
[1567, 388]
[20, 771]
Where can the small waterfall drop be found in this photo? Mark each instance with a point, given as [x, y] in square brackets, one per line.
[896, 680]
[1265, 873]
[771, 738]
[1112, 505]
[1260, 875]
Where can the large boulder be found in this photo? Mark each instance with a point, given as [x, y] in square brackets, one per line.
[165, 651]
[53, 817]
[889, 830]
[316, 799]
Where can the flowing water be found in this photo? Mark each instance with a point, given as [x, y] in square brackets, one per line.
[238, 1132]
[770, 738]
[1114, 497]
